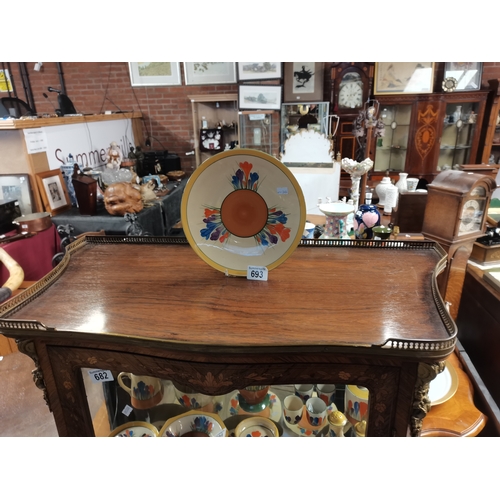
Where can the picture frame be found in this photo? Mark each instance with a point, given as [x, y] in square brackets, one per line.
[17, 187]
[403, 78]
[303, 82]
[467, 74]
[154, 74]
[53, 191]
[208, 73]
[259, 71]
[259, 97]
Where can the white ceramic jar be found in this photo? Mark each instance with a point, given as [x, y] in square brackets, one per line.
[381, 190]
[391, 199]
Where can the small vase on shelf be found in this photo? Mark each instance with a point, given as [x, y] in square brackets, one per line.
[457, 114]
[401, 184]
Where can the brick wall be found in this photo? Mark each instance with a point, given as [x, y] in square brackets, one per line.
[166, 110]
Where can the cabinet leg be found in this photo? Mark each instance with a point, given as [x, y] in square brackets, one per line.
[421, 401]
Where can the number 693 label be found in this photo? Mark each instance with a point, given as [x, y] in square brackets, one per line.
[257, 273]
[98, 376]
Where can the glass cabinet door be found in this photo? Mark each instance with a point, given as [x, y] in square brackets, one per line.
[128, 405]
[259, 130]
[392, 148]
[305, 115]
[458, 132]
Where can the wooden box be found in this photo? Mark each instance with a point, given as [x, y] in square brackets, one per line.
[485, 254]
[86, 194]
[409, 213]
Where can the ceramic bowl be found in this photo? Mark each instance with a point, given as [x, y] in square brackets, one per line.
[337, 208]
[190, 399]
[194, 423]
[254, 394]
[232, 422]
[256, 427]
[381, 232]
[135, 429]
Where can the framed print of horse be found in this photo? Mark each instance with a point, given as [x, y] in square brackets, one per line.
[303, 82]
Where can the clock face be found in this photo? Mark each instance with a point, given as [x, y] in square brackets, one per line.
[472, 216]
[351, 91]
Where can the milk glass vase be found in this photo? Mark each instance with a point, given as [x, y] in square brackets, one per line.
[401, 184]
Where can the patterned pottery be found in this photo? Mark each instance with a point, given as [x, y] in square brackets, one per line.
[190, 399]
[336, 219]
[135, 429]
[356, 403]
[254, 394]
[365, 219]
[256, 427]
[194, 423]
[243, 208]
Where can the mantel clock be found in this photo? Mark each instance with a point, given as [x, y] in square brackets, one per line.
[455, 216]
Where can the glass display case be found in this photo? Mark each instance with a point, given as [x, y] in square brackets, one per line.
[391, 149]
[260, 130]
[460, 122]
[304, 115]
[297, 410]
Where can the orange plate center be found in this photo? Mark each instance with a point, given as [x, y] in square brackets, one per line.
[244, 213]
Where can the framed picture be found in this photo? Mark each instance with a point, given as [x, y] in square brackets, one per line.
[53, 191]
[259, 97]
[303, 82]
[259, 70]
[155, 74]
[403, 78]
[17, 187]
[467, 74]
[207, 73]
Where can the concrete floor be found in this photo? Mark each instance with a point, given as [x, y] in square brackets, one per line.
[23, 412]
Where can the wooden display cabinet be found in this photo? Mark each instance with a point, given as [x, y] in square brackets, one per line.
[260, 130]
[490, 134]
[217, 109]
[442, 129]
[189, 323]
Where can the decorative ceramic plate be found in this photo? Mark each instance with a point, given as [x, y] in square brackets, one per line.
[232, 422]
[135, 429]
[243, 208]
[444, 386]
[256, 427]
[272, 411]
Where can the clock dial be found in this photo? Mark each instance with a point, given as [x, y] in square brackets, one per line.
[351, 95]
[472, 216]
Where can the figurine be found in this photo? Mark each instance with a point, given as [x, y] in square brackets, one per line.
[114, 156]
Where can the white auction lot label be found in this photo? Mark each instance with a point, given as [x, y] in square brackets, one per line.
[257, 273]
[101, 376]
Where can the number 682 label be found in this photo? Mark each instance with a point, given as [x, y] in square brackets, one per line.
[257, 273]
[101, 376]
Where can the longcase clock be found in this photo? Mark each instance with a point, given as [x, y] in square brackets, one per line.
[351, 88]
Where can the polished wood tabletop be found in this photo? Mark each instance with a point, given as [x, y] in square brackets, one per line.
[321, 296]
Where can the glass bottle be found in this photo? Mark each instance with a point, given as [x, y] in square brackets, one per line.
[366, 218]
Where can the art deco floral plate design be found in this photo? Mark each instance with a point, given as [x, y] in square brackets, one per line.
[243, 208]
[135, 429]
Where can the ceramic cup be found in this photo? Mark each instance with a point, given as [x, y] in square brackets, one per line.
[316, 412]
[308, 231]
[192, 400]
[326, 392]
[145, 392]
[293, 407]
[411, 183]
[304, 391]
[381, 233]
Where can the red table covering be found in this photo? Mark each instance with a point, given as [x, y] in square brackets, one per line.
[33, 254]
